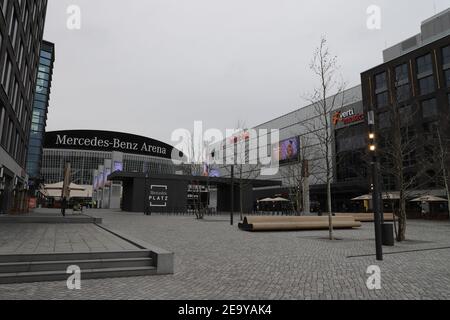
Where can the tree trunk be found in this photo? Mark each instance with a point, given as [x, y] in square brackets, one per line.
[443, 156]
[402, 218]
[448, 195]
[330, 213]
[241, 201]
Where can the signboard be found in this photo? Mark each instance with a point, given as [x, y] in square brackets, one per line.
[348, 116]
[159, 196]
[118, 166]
[288, 150]
[106, 141]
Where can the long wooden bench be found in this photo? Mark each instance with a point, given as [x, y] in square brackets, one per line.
[276, 223]
[367, 217]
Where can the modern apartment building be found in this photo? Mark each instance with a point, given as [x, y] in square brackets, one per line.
[410, 95]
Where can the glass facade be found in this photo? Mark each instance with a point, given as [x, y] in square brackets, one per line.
[83, 163]
[21, 30]
[40, 110]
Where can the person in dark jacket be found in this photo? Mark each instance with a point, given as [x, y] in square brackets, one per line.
[63, 206]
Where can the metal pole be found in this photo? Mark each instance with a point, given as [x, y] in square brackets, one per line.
[232, 195]
[147, 195]
[376, 195]
[377, 211]
[380, 193]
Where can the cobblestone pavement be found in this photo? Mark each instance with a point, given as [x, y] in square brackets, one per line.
[216, 261]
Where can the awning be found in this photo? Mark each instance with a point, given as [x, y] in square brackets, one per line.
[429, 198]
[386, 196]
[279, 199]
[266, 200]
[76, 191]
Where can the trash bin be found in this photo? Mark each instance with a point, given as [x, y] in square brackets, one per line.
[388, 234]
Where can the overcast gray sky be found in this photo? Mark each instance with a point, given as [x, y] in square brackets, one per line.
[149, 67]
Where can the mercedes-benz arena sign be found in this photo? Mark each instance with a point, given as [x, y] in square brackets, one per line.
[93, 140]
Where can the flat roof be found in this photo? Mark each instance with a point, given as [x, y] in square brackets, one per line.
[124, 176]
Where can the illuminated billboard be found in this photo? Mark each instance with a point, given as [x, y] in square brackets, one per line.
[288, 150]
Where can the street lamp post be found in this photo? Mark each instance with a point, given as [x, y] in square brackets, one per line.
[147, 193]
[376, 196]
[232, 196]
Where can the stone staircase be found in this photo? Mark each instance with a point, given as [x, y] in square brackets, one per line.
[94, 265]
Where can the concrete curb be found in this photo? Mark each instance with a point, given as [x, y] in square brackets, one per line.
[164, 259]
[50, 219]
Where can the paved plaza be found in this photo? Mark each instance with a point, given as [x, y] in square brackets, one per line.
[216, 261]
[57, 238]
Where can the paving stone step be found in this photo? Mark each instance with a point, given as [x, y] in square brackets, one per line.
[37, 266]
[50, 220]
[75, 256]
[45, 276]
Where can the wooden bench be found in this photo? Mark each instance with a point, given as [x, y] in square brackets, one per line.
[275, 223]
[367, 217]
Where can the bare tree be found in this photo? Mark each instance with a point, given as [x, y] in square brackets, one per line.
[326, 98]
[444, 160]
[399, 149]
[195, 169]
[244, 170]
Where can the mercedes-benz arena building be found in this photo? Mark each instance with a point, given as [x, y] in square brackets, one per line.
[91, 153]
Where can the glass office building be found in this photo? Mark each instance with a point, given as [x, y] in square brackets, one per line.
[39, 115]
[21, 32]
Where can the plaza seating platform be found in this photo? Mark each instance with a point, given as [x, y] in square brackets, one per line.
[293, 223]
[366, 217]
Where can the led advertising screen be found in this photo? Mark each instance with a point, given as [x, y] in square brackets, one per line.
[118, 166]
[288, 150]
[211, 172]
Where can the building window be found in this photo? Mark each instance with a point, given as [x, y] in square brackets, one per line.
[446, 55]
[2, 119]
[426, 85]
[382, 99]
[402, 74]
[381, 82]
[424, 64]
[447, 77]
[403, 91]
[429, 108]
[430, 130]
[384, 120]
[406, 115]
